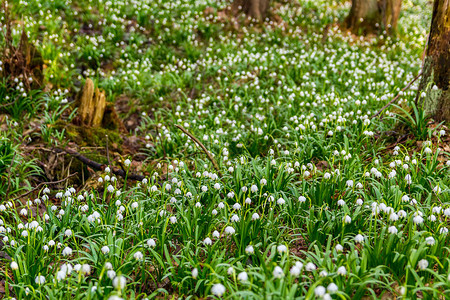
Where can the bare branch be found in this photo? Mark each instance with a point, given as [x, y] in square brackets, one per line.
[216, 166]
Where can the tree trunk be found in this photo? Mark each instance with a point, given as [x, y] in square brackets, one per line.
[369, 16]
[256, 9]
[435, 83]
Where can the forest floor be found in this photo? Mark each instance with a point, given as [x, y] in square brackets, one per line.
[230, 159]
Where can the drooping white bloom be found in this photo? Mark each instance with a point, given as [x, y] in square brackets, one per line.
[110, 188]
[310, 267]
[408, 179]
[402, 213]
[281, 201]
[393, 217]
[249, 249]
[230, 271]
[282, 249]
[218, 290]
[39, 279]
[105, 249]
[430, 240]
[437, 189]
[138, 255]
[359, 238]
[347, 219]
[332, 288]
[295, 271]
[418, 220]
[447, 212]
[60, 275]
[86, 269]
[14, 265]
[67, 251]
[151, 243]
[111, 274]
[278, 272]
[194, 273]
[342, 271]
[243, 276]
[229, 230]
[423, 264]
[393, 230]
[320, 291]
[119, 282]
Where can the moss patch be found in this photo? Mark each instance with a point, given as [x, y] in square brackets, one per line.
[90, 136]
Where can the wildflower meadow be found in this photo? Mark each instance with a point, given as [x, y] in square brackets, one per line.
[155, 149]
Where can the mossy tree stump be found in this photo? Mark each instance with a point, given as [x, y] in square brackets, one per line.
[94, 111]
[92, 105]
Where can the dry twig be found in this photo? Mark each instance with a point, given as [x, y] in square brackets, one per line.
[44, 183]
[398, 95]
[216, 166]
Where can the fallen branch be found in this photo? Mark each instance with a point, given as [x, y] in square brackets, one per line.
[44, 183]
[98, 166]
[216, 166]
[398, 95]
[7, 104]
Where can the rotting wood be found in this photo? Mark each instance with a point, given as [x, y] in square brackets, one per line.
[92, 105]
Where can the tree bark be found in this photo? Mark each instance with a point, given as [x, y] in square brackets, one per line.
[371, 16]
[435, 84]
[256, 9]
[94, 111]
